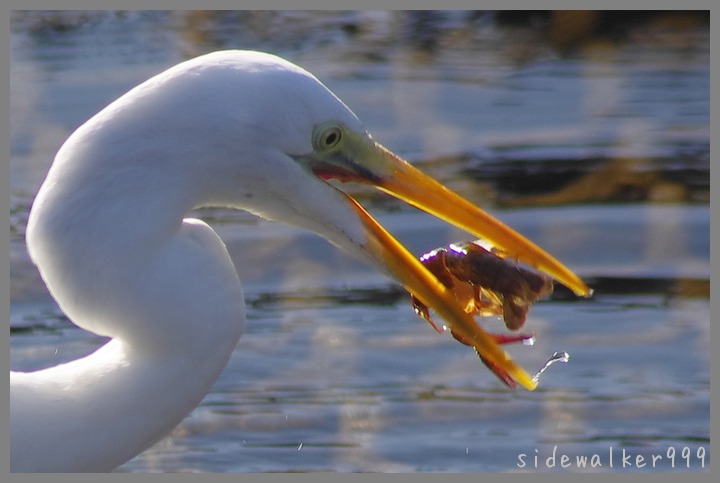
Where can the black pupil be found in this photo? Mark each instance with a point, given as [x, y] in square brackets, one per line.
[331, 138]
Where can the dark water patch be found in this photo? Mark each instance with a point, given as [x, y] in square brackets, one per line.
[378, 296]
[665, 287]
[681, 176]
[33, 329]
[635, 439]
[40, 321]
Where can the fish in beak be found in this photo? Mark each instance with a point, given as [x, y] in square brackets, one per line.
[347, 155]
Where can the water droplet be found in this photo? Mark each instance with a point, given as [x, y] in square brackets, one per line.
[556, 357]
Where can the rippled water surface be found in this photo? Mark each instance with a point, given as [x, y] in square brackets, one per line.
[600, 154]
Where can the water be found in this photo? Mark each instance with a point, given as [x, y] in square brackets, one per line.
[556, 357]
[600, 156]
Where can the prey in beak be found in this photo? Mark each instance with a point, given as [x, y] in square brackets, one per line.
[346, 155]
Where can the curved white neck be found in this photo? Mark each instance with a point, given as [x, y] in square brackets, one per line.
[123, 402]
[174, 307]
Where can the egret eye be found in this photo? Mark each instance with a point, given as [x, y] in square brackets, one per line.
[329, 138]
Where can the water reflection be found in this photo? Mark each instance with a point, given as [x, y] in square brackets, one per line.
[617, 154]
[593, 142]
[677, 178]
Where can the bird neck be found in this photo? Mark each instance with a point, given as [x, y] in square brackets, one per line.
[174, 310]
[111, 405]
[166, 292]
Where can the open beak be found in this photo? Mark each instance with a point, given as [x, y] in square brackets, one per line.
[392, 174]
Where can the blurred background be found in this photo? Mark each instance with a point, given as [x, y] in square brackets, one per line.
[588, 131]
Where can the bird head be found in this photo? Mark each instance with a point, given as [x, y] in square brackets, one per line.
[349, 156]
[316, 144]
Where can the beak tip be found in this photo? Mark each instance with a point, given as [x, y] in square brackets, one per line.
[525, 380]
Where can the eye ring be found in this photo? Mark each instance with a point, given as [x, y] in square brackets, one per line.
[329, 138]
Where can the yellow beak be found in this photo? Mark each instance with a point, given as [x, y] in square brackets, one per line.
[417, 189]
[397, 177]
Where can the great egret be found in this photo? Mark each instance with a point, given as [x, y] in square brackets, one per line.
[108, 234]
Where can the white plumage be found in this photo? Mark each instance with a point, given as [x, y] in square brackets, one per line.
[107, 231]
